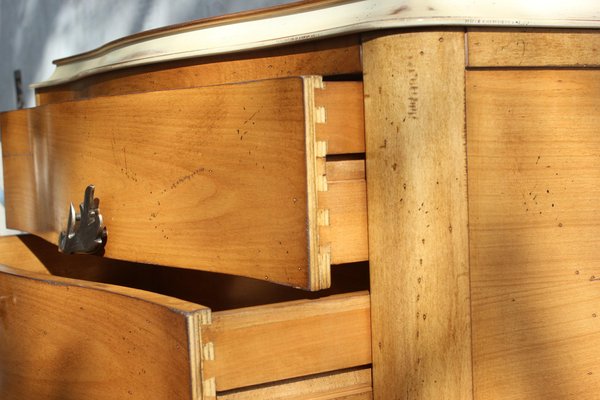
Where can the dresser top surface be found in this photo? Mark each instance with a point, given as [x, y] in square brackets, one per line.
[314, 19]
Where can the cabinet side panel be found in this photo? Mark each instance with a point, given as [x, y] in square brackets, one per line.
[534, 185]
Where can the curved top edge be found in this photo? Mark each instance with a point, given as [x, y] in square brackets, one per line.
[314, 19]
[175, 305]
[202, 23]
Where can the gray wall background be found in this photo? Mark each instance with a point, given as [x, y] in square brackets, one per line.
[35, 32]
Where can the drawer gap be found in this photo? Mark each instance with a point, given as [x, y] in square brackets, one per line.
[214, 290]
[345, 157]
[344, 77]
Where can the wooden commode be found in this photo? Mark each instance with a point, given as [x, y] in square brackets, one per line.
[323, 200]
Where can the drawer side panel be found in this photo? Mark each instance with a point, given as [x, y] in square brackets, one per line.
[286, 340]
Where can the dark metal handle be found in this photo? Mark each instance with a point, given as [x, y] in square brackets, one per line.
[85, 232]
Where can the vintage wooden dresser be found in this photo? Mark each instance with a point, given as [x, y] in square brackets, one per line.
[324, 200]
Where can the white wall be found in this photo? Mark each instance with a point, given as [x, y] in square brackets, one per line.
[35, 32]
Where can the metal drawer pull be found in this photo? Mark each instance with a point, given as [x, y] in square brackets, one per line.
[85, 233]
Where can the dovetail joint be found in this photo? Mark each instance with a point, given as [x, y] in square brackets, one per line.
[205, 317]
[321, 149]
[208, 352]
[209, 388]
[324, 259]
[320, 115]
[321, 153]
[323, 217]
[321, 183]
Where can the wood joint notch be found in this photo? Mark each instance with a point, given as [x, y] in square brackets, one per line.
[324, 251]
[206, 354]
[316, 150]
[334, 126]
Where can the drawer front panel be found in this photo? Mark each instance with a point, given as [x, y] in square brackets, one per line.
[223, 178]
[68, 339]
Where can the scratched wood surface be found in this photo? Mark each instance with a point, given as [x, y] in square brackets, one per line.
[417, 212]
[338, 56]
[211, 178]
[250, 346]
[339, 385]
[489, 47]
[69, 339]
[534, 212]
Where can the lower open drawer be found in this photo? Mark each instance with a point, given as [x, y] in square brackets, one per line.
[70, 339]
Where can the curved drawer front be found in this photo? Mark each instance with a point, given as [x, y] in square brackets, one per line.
[101, 341]
[70, 339]
[228, 178]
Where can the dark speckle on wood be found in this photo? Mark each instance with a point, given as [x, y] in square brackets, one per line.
[186, 178]
[400, 10]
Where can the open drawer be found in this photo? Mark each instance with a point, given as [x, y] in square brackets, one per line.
[258, 179]
[70, 339]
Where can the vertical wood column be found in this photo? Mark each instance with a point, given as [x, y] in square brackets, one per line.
[418, 219]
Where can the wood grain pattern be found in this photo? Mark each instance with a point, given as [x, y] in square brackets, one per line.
[342, 105]
[337, 56]
[57, 313]
[344, 385]
[17, 164]
[211, 178]
[68, 339]
[417, 211]
[345, 170]
[270, 343]
[346, 202]
[533, 48]
[534, 185]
